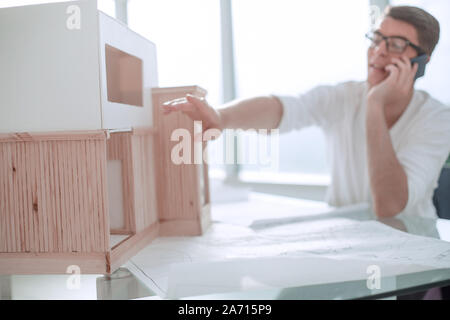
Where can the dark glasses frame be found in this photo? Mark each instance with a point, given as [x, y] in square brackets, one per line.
[371, 37]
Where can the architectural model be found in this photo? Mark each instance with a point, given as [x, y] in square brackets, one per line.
[84, 146]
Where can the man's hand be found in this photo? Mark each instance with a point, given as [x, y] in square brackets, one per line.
[397, 86]
[198, 110]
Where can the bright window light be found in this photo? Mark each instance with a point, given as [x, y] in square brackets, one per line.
[187, 38]
[285, 46]
[107, 6]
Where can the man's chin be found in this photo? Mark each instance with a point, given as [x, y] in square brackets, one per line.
[375, 81]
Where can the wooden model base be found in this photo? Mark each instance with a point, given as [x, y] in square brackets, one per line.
[54, 205]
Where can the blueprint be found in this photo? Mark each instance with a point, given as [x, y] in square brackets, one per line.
[231, 258]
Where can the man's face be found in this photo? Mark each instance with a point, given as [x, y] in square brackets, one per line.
[379, 57]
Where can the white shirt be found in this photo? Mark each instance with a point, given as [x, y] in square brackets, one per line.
[421, 140]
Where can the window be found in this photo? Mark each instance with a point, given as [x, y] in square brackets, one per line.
[281, 46]
[285, 46]
[123, 77]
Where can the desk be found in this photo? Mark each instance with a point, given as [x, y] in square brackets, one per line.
[130, 283]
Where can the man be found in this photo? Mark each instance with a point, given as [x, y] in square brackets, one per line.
[387, 141]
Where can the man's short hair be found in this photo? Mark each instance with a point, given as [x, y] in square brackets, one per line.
[426, 25]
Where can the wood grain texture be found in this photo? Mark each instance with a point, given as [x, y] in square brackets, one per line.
[52, 196]
[135, 150]
[180, 228]
[54, 193]
[53, 136]
[179, 187]
[131, 246]
[145, 197]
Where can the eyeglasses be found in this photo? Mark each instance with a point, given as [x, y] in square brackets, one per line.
[394, 44]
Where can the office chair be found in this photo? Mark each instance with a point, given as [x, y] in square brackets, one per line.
[441, 201]
[441, 198]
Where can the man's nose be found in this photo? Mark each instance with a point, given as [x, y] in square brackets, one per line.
[381, 48]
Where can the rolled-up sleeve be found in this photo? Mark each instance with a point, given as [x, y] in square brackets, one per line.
[320, 106]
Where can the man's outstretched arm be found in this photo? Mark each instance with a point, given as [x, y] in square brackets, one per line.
[254, 113]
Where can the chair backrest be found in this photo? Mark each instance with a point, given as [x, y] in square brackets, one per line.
[441, 198]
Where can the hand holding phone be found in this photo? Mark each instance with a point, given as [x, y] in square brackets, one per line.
[422, 61]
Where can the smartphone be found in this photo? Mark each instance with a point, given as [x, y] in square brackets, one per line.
[422, 61]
